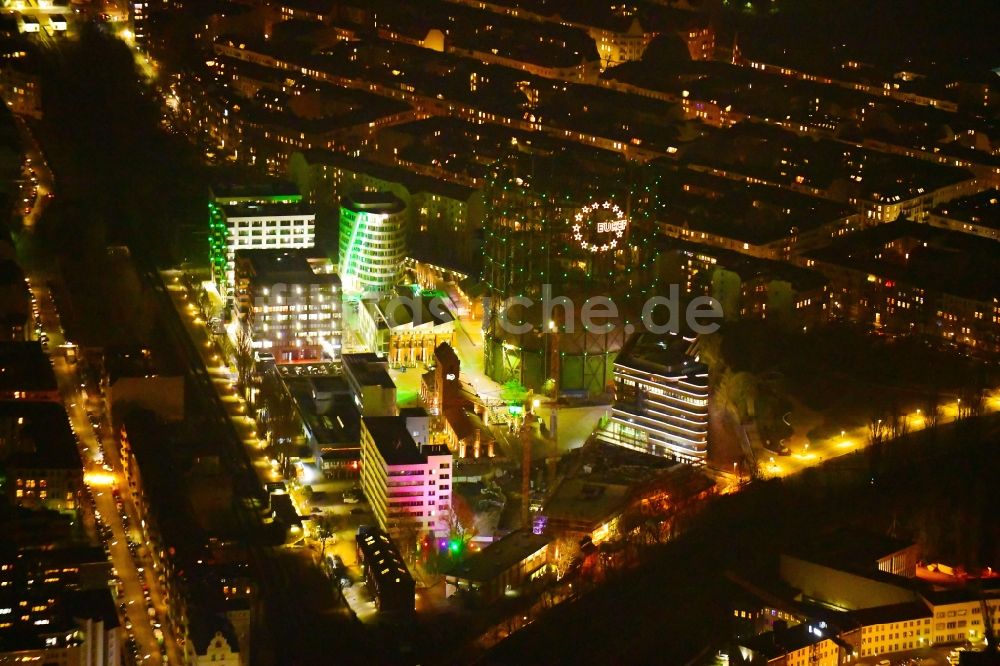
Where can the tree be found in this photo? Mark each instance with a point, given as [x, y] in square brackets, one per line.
[243, 354]
[932, 411]
[566, 553]
[461, 524]
[327, 525]
[878, 430]
[513, 393]
[736, 393]
[407, 532]
[897, 423]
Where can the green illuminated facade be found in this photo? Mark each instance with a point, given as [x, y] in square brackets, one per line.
[534, 238]
[245, 219]
[372, 242]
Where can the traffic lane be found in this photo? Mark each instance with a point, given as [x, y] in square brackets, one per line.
[121, 559]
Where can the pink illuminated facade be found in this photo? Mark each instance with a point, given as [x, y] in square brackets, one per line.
[407, 481]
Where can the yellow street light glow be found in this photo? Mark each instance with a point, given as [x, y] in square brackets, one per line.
[99, 479]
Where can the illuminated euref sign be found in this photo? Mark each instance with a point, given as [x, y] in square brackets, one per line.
[599, 226]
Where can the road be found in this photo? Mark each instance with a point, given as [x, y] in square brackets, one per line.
[94, 454]
[806, 452]
[101, 480]
[294, 588]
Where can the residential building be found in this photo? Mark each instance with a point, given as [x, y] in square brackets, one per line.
[372, 242]
[138, 15]
[386, 575]
[661, 399]
[407, 483]
[502, 567]
[214, 642]
[905, 278]
[40, 456]
[978, 214]
[59, 626]
[292, 303]
[27, 373]
[132, 379]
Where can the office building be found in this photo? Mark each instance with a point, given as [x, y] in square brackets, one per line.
[404, 327]
[373, 389]
[244, 219]
[407, 481]
[292, 303]
[372, 241]
[661, 399]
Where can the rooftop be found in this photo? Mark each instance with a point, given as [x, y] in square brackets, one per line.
[939, 260]
[367, 369]
[779, 642]
[982, 209]
[292, 266]
[394, 442]
[405, 309]
[373, 203]
[334, 421]
[249, 209]
[383, 559]
[37, 435]
[663, 354]
[499, 556]
[262, 191]
[914, 610]
[25, 367]
[856, 549]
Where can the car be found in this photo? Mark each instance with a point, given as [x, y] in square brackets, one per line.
[128, 623]
[351, 499]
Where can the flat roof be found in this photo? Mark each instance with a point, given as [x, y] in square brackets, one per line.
[395, 444]
[25, 367]
[855, 548]
[42, 438]
[499, 556]
[287, 265]
[367, 369]
[373, 203]
[248, 209]
[338, 427]
[663, 354]
[271, 189]
[913, 610]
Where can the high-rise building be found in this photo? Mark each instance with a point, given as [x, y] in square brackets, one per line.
[372, 241]
[254, 219]
[291, 302]
[138, 14]
[661, 399]
[407, 481]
